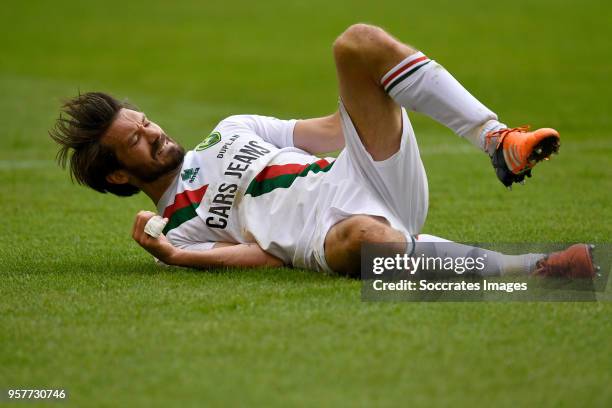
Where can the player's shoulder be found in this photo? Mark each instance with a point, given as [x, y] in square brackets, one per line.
[234, 121]
[246, 121]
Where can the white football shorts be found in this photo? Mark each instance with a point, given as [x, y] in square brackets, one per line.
[395, 188]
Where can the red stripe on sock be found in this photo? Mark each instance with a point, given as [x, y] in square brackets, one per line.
[402, 69]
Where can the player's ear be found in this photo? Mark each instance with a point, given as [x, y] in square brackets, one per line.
[118, 177]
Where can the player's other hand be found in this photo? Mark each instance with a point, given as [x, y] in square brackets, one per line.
[159, 247]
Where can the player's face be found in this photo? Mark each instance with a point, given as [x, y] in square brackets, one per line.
[143, 148]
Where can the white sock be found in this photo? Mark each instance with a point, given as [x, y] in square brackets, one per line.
[422, 85]
[477, 136]
[496, 263]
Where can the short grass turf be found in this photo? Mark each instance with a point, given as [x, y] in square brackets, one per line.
[84, 309]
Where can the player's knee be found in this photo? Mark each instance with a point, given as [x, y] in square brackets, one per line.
[363, 229]
[368, 230]
[360, 31]
[359, 40]
[370, 46]
[344, 241]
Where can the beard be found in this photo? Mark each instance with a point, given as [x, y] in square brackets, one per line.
[174, 154]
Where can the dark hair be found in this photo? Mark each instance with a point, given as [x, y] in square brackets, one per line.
[78, 130]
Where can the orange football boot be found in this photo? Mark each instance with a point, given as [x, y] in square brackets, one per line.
[573, 262]
[518, 150]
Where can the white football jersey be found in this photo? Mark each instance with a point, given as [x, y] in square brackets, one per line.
[244, 183]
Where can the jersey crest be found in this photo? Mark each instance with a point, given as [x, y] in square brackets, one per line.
[210, 140]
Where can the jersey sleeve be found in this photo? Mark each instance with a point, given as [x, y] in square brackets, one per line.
[275, 131]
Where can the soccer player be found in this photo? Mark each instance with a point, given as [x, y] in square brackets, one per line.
[252, 193]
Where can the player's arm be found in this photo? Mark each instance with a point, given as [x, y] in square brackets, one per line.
[222, 255]
[319, 135]
[240, 255]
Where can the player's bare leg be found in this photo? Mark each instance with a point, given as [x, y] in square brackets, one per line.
[363, 54]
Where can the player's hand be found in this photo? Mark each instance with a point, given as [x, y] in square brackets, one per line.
[159, 247]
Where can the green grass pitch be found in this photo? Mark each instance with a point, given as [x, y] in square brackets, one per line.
[83, 308]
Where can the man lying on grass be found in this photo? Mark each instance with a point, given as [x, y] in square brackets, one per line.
[252, 193]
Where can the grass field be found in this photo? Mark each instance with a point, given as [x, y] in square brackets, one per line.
[82, 307]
